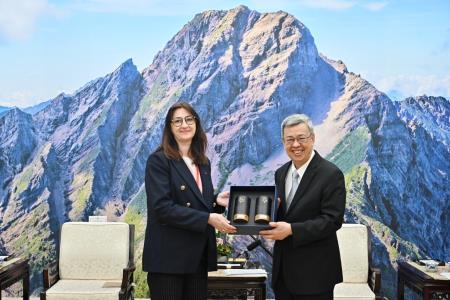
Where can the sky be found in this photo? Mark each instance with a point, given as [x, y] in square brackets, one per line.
[52, 46]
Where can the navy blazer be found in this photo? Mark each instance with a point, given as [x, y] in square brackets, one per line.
[309, 259]
[178, 234]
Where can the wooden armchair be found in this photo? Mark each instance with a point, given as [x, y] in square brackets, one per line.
[96, 261]
[361, 280]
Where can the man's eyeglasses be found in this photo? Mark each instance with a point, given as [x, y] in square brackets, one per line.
[300, 139]
[179, 121]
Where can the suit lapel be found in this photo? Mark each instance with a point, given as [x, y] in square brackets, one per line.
[184, 172]
[282, 180]
[206, 178]
[305, 181]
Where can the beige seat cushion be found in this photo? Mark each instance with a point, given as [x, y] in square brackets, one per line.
[93, 250]
[83, 290]
[353, 291]
[353, 246]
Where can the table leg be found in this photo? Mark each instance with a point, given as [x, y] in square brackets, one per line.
[400, 288]
[260, 293]
[26, 285]
[426, 294]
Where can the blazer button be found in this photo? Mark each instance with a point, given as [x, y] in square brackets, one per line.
[214, 204]
[188, 204]
[183, 187]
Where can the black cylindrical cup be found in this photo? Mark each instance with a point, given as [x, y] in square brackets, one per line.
[262, 211]
[241, 209]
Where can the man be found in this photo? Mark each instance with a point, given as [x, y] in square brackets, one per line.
[306, 259]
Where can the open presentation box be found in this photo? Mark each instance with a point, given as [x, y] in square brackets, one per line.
[252, 193]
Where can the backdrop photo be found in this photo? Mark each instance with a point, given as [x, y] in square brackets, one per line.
[82, 151]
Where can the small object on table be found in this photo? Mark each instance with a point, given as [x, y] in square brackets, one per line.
[430, 285]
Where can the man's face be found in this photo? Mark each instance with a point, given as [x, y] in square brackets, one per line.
[298, 142]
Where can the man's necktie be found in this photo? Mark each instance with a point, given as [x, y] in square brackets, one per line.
[295, 183]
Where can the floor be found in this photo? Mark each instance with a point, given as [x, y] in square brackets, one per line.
[37, 298]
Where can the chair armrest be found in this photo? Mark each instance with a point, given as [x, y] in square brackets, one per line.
[375, 281]
[127, 287]
[127, 277]
[50, 275]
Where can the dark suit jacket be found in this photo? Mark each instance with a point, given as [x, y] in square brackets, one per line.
[178, 233]
[309, 259]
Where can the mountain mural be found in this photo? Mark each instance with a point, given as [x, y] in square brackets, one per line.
[31, 109]
[3, 110]
[244, 72]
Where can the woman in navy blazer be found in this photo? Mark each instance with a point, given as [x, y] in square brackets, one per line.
[180, 244]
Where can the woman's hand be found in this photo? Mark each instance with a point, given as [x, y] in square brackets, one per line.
[220, 223]
[223, 199]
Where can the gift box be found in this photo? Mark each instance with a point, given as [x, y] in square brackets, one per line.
[251, 208]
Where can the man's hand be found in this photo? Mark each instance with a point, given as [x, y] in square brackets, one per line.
[220, 223]
[223, 198]
[279, 231]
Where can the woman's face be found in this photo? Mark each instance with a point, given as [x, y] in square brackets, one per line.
[183, 126]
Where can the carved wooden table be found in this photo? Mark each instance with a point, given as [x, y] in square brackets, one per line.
[12, 271]
[429, 285]
[221, 286]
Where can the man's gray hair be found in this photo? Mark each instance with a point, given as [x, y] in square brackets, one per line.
[296, 119]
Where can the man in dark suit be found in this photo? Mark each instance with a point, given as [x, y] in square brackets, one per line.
[306, 259]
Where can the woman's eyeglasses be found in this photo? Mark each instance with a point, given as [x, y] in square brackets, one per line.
[179, 121]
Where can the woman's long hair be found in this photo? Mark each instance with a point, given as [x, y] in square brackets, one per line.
[199, 142]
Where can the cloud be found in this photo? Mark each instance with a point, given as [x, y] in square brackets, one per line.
[446, 44]
[376, 6]
[344, 4]
[442, 49]
[183, 7]
[113, 6]
[415, 85]
[17, 98]
[329, 4]
[147, 7]
[18, 18]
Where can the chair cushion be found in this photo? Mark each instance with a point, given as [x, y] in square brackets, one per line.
[93, 250]
[353, 246]
[353, 291]
[83, 290]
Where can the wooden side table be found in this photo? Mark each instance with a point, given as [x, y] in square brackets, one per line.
[429, 285]
[236, 286]
[12, 271]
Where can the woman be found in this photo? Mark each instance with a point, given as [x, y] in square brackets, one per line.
[180, 244]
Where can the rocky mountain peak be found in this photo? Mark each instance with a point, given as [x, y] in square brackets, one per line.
[337, 64]
[438, 106]
[431, 113]
[125, 73]
[15, 113]
[18, 141]
[237, 67]
[15, 124]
